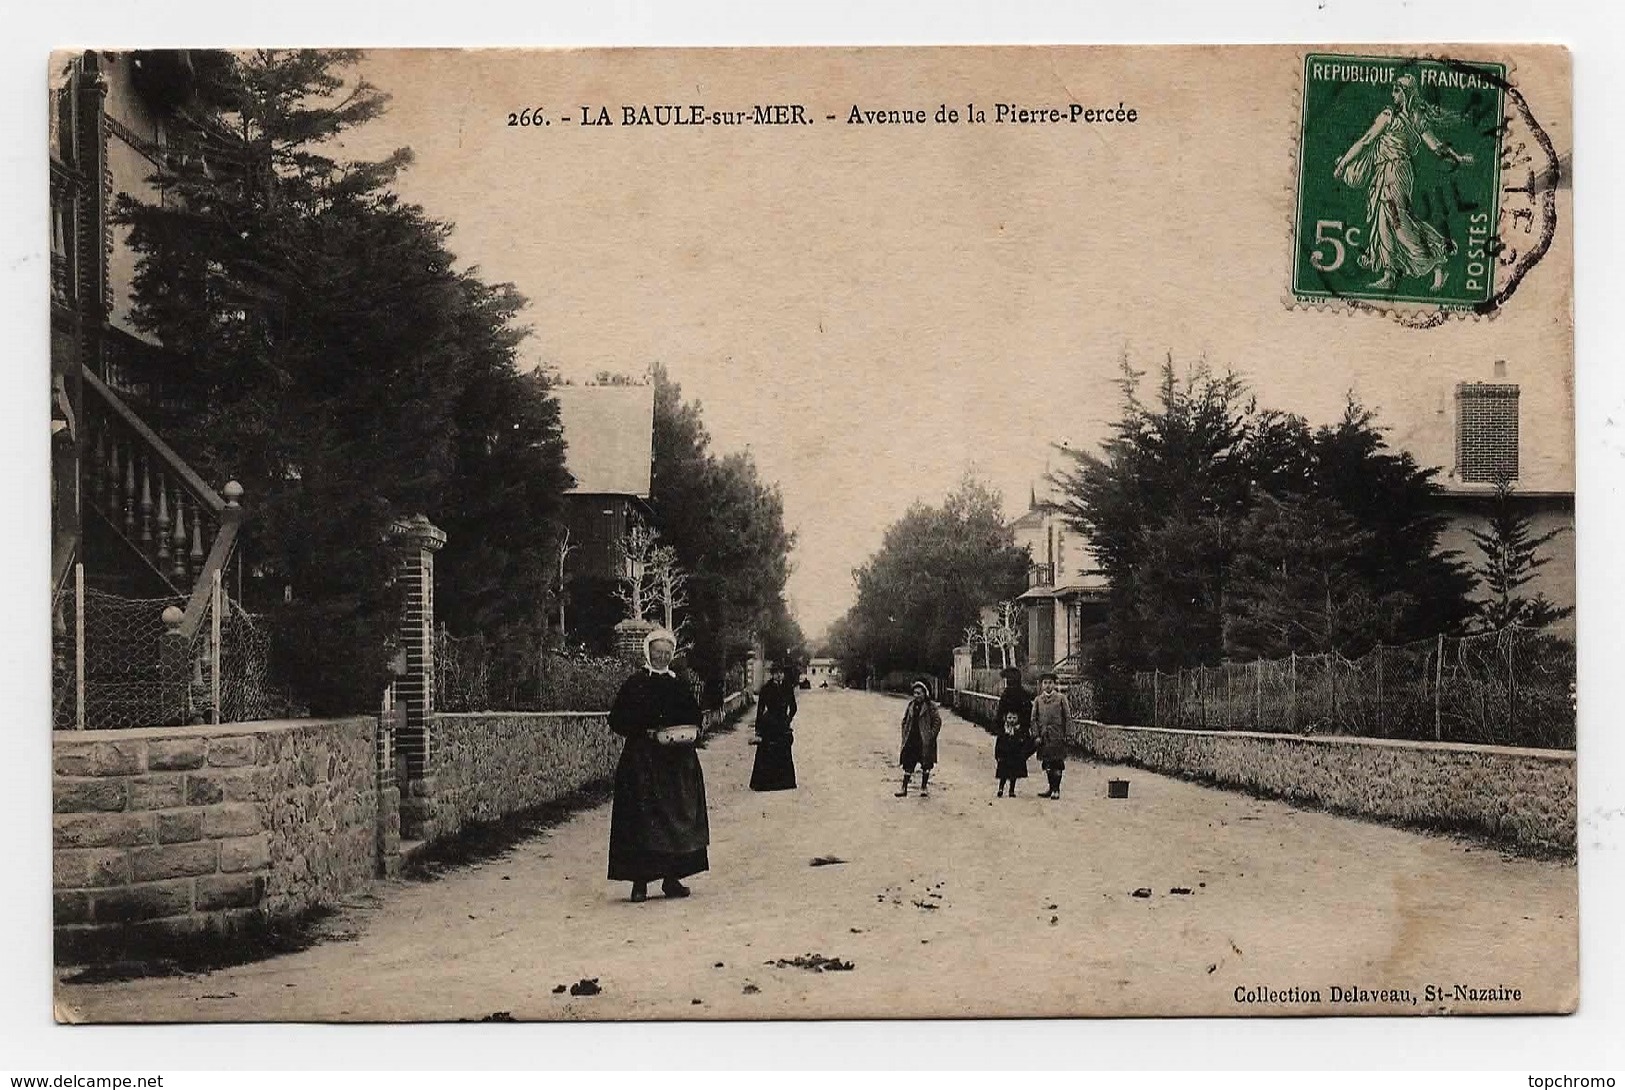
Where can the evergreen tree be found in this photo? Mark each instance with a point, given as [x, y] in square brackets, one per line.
[1231, 531]
[727, 528]
[321, 348]
[935, 569]
[1509, 558]
[1160, 505]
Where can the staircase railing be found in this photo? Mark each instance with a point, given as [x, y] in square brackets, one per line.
[165, 512]
[150, 496]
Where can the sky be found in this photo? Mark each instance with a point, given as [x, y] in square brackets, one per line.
[874, 311]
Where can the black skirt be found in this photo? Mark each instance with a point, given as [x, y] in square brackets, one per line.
[1011, 768]
[658, 826]
[775, 768]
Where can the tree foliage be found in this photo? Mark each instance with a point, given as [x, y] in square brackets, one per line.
[935, 570]
[726, 528]
[322, 349]
[1509, 557]
[1227, 530]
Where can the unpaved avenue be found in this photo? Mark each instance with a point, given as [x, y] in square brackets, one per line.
[956, 905]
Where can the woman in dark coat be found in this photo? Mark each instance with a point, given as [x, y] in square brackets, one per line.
[1015, 698]
[775, 768]
[658, 826]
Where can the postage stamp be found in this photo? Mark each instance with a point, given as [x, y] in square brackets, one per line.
[1399, 174]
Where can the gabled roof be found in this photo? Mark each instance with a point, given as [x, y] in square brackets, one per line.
[609, 438]
[1033, 519]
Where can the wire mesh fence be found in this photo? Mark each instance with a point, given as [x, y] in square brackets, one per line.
[1512, 687]
[140, 671]
[248, 692]
[64, 659]
[130, 680]
[472, 676]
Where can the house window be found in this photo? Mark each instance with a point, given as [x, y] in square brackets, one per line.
[1486, 432]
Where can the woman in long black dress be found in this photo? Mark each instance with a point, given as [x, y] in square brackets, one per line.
[775, 768]
[658, 826]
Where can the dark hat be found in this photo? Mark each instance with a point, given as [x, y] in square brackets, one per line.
[1011, 673]
[1048, 677]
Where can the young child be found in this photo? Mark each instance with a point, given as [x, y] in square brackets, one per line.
[1010, 753]
[1050, 730]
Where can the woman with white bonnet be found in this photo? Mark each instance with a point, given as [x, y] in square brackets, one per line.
[658, 827]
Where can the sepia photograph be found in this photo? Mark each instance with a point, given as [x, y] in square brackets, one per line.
[692, 535]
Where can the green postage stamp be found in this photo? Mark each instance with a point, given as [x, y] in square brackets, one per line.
[1399, 169]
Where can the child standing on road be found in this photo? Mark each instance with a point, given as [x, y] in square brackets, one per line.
[1011, 751]
[921, 725]
[1050, 727]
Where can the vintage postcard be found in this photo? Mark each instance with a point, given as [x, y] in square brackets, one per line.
[812, 533]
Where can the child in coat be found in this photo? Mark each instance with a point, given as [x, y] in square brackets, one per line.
[1010, 753]
[1051, 731]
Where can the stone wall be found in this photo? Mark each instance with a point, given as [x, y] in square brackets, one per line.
[322, 811]
[493, 764]
[979, 708]
[175, 830]
[1526, 796]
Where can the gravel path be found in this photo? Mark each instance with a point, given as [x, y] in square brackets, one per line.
[959, 905]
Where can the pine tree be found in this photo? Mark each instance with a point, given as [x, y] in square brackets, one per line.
[321, 348]
[1510, 557]
[726, 529]
[1230, 530]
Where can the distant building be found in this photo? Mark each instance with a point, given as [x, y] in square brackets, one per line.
[1065, 599]
[609, 440]
[823, 672]
[609, 447]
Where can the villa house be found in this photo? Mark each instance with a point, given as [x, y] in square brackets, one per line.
[1065, 599]
[134, 528]
[1482, 421]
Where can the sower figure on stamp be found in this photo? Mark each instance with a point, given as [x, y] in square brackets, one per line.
[1400, 243]
[1050, 728]
[658, 826]
[921, 725]
[775, 768]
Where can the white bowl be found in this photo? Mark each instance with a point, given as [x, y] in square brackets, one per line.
[677, 736]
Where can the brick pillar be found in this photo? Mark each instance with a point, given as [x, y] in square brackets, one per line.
[629, 636]
[416, 540]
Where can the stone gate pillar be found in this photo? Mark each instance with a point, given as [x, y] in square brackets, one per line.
[416, 540]
[758, 665]
[963, 664]
[629, 636]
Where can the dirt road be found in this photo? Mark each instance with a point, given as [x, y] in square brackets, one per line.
[956, 905]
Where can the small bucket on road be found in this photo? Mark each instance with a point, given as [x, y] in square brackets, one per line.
[1117, 789]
